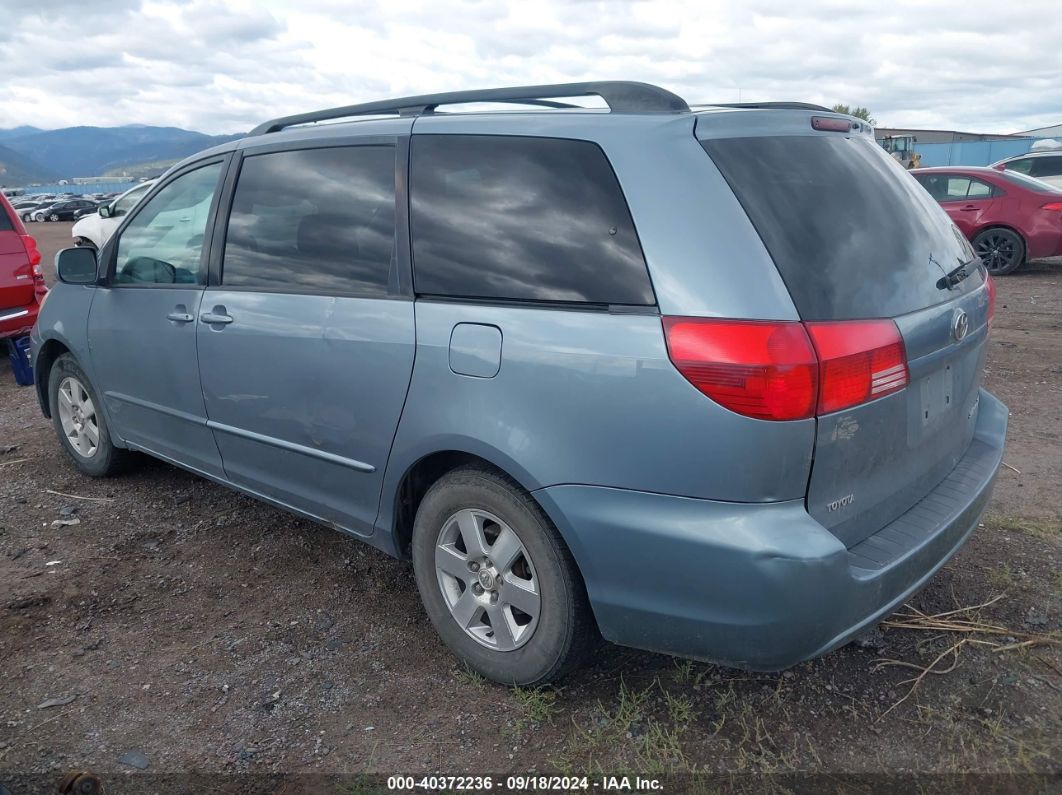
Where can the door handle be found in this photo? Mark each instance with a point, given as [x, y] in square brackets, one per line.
[969, 208]
[216, 317]
[180, 317]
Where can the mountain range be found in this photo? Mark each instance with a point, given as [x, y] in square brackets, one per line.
[29, 154]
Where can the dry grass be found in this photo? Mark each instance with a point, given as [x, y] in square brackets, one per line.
[971, 629]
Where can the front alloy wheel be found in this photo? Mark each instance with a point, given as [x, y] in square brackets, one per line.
[77, 414]
[79, 422]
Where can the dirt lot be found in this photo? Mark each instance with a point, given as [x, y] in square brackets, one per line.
[186, 628]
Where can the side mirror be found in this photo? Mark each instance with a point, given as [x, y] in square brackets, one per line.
[105, 211]
[76, 265]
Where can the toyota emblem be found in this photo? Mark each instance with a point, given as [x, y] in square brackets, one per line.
[960, 325]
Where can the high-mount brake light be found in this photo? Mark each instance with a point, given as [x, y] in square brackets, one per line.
[787, 370]
[827, 124]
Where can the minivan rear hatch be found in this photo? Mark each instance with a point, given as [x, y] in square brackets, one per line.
[855, 237]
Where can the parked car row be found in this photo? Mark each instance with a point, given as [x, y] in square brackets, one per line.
[58, 207]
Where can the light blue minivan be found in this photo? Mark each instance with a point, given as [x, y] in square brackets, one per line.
[705, 382]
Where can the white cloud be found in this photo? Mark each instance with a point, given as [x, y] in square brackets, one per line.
[223, 66]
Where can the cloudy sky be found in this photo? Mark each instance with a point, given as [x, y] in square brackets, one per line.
[224, 65]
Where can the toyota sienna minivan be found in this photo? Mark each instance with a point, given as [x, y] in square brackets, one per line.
[699, 382]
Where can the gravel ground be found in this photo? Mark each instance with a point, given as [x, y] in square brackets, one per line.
[178, 627]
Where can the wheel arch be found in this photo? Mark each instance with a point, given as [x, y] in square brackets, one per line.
[398, 511]
[50, 350]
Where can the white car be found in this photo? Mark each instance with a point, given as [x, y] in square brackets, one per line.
[93, 230]
[1045, 166]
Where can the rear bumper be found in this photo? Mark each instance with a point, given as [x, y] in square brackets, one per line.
[761, 586]
[17, 321]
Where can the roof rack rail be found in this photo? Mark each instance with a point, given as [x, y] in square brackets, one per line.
[620, 96]
[769, 106]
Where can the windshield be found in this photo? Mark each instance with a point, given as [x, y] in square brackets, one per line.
[853, 235]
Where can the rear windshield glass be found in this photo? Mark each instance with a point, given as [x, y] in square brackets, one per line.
[853, 236]
[1029, 182]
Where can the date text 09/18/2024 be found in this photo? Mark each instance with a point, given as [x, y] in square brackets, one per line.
[530, 783]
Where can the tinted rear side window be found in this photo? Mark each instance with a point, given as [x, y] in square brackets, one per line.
[313, 220]
[536, 219]
[5, 221]
[853, 236]
[1046, 167]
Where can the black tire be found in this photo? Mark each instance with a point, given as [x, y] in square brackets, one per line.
[53, 217]
[1002, 250]
[26, 219]
[106, 459]
[565, 629]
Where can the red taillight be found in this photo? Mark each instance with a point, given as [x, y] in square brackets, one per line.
[30, 244]
[1053, 206]
[764, 370]
[859, 361]
[991, 287]
[40, 289]
[788, 370]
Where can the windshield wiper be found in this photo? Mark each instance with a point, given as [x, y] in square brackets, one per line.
[952, 278]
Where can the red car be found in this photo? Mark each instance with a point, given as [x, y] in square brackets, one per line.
[1008, 216]
[22, 285]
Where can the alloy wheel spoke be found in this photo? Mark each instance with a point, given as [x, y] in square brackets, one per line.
[523, 598]
[449, 561]
[472, 533]
[91, 432]
[466, 608]
[504, 635]
[505, 549]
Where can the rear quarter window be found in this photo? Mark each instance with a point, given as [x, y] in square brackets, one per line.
[520, 218]
[5, 220]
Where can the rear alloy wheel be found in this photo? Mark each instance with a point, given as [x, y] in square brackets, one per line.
[497, 580]
[26, 219]
[487, 580]
[1001, 250]
[53, 217]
